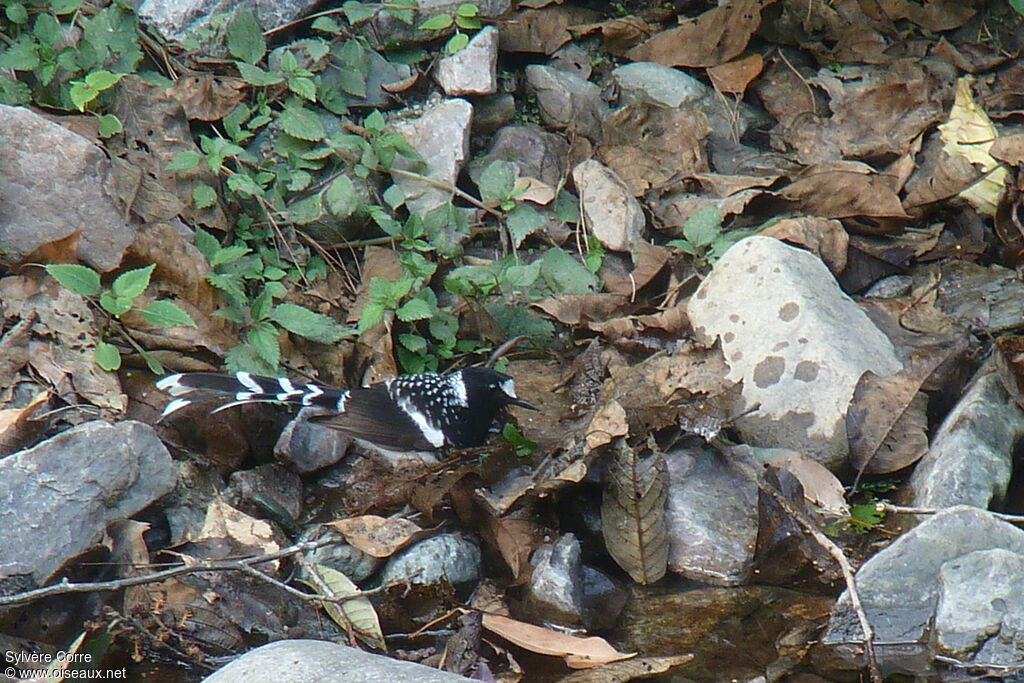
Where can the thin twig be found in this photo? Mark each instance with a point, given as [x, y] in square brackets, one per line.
[749, 469]
[901, 510]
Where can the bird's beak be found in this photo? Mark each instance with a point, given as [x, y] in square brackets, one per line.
[522, 404]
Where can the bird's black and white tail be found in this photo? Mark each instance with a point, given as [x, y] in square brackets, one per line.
[244, 387]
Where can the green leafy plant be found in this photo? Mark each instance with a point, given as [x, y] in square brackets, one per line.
[704, 238]
[520, 444]
[59, 56]
[251, 280]
[117, 300]
[500, 188]
[466, 17]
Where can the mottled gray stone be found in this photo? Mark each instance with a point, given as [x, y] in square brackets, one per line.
[671, 88]
[307, 446]
[797, 342]
[57, 498]
[492, 112]
[53, 183]
[271, 484]
[554, 593]
[177, 20]
[566, 100]
[711, 515]
[445, 557]
[970, 459]
[612, 213]
[980, 616]
[899, 586]
[299, 661]
[441, 136]
[471, 71]
[534, 152]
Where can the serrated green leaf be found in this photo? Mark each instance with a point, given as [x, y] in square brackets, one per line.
[308, 324]
[133, 282]
[115, 305]
[244, 358]
[206, 243]
[443, 326]
[683, 246]
[438, 22]
[497, 180]
[356, 11]
[1018, 6]
[402, 10]
[61, 7]
[109, 125]
[703, 226]
[352, 81]
[303, 87]
[564, 274]
[245, 37]
[394, 196]
[371, 314]
[520, 277]
[327, 25]
[184, 160]
[414, 309]
[522, 221]
[107, 356]
[341, 197]
[82, 94]
[374, 122]
[413, 342]
[518, 320]
[253, 75]
[203, 196]
[306, 210]
[21, 56]
[263, 340]
[456, 43]
[165, 313]
[242, 184]
[261, 306]
[81, 280]
[301, 123]
[225, 255]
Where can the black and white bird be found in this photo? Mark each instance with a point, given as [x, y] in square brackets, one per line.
[422, 412]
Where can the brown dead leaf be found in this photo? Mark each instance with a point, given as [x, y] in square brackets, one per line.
[648, 260]
[15, 428]
[1009, 149]
[579, 653]
[431, 492]
[619, 34]
[578, 309]
[532, 190]
[206, 97]
[180, 266]
[887, 419]
[938, 176]
[608, 423]
[224, 521]
[844, 189]
[633, 512]
[721, 185]
[542, 30]
[712, 38]
[649, 146]
[627, 670]
[822, 236]
[155, 131]
[935, 15]
[821, 487]
[515, 538]
[734, 77]
[377, 536]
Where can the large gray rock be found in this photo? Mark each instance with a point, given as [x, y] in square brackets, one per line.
[177, 20]
[711, 515]
[54, 183]
[57, 498]
[441, 136]
[566, 100]
[471, 71]
[795, 340]
[900, 586]
[970, 460]
[299, 661]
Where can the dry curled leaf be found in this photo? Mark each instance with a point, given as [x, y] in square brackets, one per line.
[579, 653]
[376, 536]
[633, 512]
[357, 615]
[608, 423]
[627, 669]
